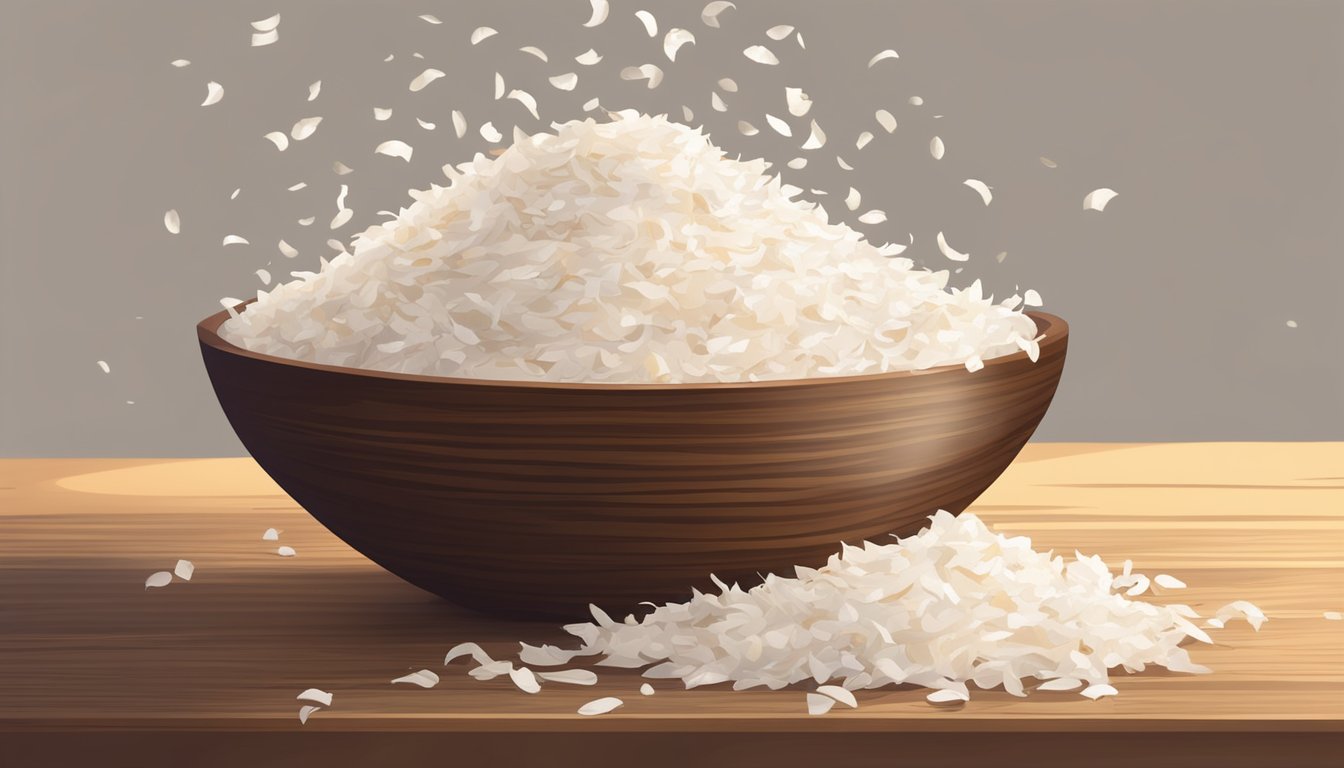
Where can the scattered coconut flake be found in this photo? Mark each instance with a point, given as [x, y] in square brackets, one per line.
[853, 199]
[473, 650]
[840, 694]
[316, 695]
[569, 677]
[601, 706]
[1163, 580]
[395, 148]
[490, 134]
[430, 18]
[526, 99]
[1097, 199]
[565, 82]
[864, 138]
[428, 126]
[265, 38]
[307, 221]
[535, 51]
[818, 704]
[235, 240]
[314, 90]
[915, 101]
[459, 124]
[481, 33]
[1048, 163]
[779, 32]
[710, 15]
[799, 38]
[425, 78]
[747, 129]
[264, 276]
[686, 114]
[675, 38]
[646, 689]
[499, 86]
[286, 551]
[389, 57]
[886, 120]
[981, 187]
[184, 570]
[600, 11]
[1333, 616]
[279, 139]
[840, 161]
[882, 56]
[179, 63]
[781, 127]
[947, 696]
[305, 712]
[761, 55]
[341, 218]
[798, 163]
[652, 72]
[873, 217]
[304, 128]
[588, 57]
[590, 105]
[297, 187]
[234, 194]
[213, 93]
[172, 222]
[1033, 299]
[936, 148]
[798, 101]
[158, 579]
[424, 678]
[1097, 690]
[816, 139]
[1292, 323]
[1241, 609]
[289, 252]
[649, 22]
[1060, 684]
[525, 680]
[728, 84]
[950, 252]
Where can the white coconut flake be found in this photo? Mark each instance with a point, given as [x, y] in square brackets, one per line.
[565, 82]
[936, 148]
[184, 570]
[525, 680]
[840, 694]
[424, 678]
[591, 104]
[297, 187]
[873, 217]
[279, 139]
[264, 276]
[1048, 163]
[394, 148]
[1241, 609]
[980, 187]
[649, 22]
[761, 55]
[951, 253]
[915, 101]
[781, 127]
[265, 38]
[430, 19]
[314, 90]
[798, 163]
[600, 706]
[747, 129]
[180, 63]
[569, 677]
[863, 139]
[799, 38]
[341, 218]
[428, 126]
[172, 222]
[473, 650]
[459, 124]
[816, 139]
[1097, 690]
[482, 33]
[305, 128]
[1097, 199]
[798, 101]
[500, 88]
[235, 240]
[779, 32]
[710, 15]
[686, 114]
[886, 120]
[1333, 616]
[286, 551]
[947, 696]
[289, 252]
[213, 93]
[853, 199]
[1000, 256]
[716, 102]
[646, 690]
[316, 695]
[817, 704]
[390, 56]
[1291, 323]
[534, 51]
[423, 79]
[158, 579]
[307, 711]
[882, 56]
[526, 99]
[1163, 580]
[675, 38]
[490, 134]
[600, 11]
[307, 221]
[588, 58]
[1033, 299]
[840, 161]
[651, 72]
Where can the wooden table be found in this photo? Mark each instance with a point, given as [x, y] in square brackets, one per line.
[94, 667]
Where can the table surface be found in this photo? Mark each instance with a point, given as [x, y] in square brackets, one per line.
[84, 647]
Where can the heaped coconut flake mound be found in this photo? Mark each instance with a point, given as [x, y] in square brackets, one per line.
[626, 250]
[953, 606]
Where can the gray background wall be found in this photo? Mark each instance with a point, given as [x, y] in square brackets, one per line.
[1219, 123]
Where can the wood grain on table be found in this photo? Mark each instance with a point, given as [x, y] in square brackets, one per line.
[90, 660]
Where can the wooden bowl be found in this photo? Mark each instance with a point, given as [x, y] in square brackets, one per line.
[533, 499]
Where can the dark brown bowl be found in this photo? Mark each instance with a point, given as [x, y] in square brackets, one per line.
[533, 499]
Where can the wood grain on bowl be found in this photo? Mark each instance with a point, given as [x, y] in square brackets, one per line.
[533, 499]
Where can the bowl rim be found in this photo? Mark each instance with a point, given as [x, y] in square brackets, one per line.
[1053, 327]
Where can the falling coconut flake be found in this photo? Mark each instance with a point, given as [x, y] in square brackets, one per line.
[710, 15]
[816, 139]
[799, 38]
[886, 120]
[747, 129]
[394, 148]
[853, 199]
[1292, 323]
[482, 33]
[305, 712]
[950, 252]
[265, 38]
[569, 677]
[1164, 580]
[316, 695]
[297, 187]
[424, 678]
[1032, 298]
[981, 187]
[761, 55]
[799, 102]
[781, 127]
[267, 24]
[798, 163]
[915, 101]
[489, 133]
[1001, 256]
[179, 63]
[307, 221]
[499, 86]
[289, 252]
[675, 38]
[1048, 163]
[873, 217]
[936, 148]
[314, 90]
[235, 240]
[864, 138]
[525, 680]
[234, 194]
[184, 570]
[425, 78]
[341, 218]
[430, 19]
[649, 22]
[565, 82]
[605, 704]
[286, 551]
[158, 579]
[728, 84]
[279, 139]
[305, 128]
[535, 51]
[382, 113]
[600, 11]
[779, 32]
[172, 222]
[213, 93]
[1097, 199]
[840, 161]
[646, 689]
[686, 113]
[887, 54]
[526, 99]
[651, 72]
[428, 126]
[459, 124]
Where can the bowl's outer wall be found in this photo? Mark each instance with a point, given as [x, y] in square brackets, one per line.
[535, 502]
